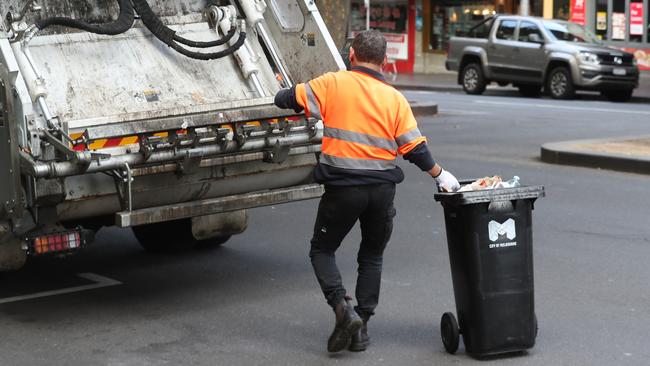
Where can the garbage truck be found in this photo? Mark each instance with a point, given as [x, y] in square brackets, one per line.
[152, 115]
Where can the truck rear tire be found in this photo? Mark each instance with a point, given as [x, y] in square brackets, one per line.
[622, 95]
[12, 255]
[172, 236]
[560, 84]
[530, 91]
[473, 79]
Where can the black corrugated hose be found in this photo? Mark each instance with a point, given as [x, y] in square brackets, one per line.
[167, 35]
[123, 22]
[198, 44]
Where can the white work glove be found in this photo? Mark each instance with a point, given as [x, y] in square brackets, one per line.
[447, 182]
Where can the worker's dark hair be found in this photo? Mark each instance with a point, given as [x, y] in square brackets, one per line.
[370, 46]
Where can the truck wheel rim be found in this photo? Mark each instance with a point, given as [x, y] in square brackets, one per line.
[558, 83]
[471, 79]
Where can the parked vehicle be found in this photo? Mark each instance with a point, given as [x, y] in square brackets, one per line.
[535, 53]
[165, 124]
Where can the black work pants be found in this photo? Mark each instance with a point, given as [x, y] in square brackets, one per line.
[338, 211]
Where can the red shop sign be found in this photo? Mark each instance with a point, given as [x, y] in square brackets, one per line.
[636, 18]
[578, 11]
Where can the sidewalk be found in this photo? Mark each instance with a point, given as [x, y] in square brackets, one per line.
[447, 82]
[627, 154]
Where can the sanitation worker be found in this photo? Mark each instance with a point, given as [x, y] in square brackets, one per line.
[367, 123]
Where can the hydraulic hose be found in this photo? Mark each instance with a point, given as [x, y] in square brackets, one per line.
[213, 55]
[198, 44]
[123, 22]
[168, 35]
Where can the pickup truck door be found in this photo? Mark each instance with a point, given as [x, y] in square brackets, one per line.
[500, 50]
[528, 54]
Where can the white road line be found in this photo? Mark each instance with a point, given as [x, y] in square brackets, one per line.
[100, 281]
[554, 106]
[462, 112]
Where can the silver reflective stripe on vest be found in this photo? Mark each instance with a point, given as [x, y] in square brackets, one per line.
[408, 137]
[360, 138]
[362, 164]
[314, 110]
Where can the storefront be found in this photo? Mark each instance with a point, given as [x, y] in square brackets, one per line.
[439, 20]
[418, 31]
[620, 23]
[396, 20]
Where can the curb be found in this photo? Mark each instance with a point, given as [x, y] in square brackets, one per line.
[565, 153]
[442, 88]
[421, 109]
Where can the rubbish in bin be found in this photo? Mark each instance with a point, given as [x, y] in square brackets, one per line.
[490, 183]
[490, 242]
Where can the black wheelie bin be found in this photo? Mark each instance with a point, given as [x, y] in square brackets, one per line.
[490, 241]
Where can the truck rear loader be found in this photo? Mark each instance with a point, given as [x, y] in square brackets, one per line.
[154, 115]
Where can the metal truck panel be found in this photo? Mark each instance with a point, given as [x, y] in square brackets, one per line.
[97, 80]
[124, 124]
[95, 194]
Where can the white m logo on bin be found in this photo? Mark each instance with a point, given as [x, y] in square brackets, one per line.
[496, 229]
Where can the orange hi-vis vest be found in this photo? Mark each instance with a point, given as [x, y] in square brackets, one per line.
[366, 121]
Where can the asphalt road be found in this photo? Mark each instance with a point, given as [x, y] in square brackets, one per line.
[255, 301]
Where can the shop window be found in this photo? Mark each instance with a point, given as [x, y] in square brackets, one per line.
[618, 20]
[449, 18]
[506, 30]
[536, 8]
[601, 19]
[526, 29]
[561, 9]
[384, 16]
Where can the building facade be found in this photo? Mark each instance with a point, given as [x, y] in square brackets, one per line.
[418, 31]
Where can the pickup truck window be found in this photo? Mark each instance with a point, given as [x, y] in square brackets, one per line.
[526, 29]
[570, 32]
[507, 30]
[481, 30]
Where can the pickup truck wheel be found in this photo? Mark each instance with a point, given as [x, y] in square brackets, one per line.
[560, 84]
[618, 95]
[530, 91]
[164, 237]
[473, 79]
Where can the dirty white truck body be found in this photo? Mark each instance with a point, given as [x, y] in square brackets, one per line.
[124, 130]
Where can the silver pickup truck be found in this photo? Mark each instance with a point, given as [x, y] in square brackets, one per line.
[535, 53]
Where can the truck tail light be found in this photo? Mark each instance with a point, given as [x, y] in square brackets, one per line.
[60, 242]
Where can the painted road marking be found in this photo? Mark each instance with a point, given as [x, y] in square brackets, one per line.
[100, 281]
[554, 106]
[462, 112]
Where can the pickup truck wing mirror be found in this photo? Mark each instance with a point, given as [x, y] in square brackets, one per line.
[535, 38]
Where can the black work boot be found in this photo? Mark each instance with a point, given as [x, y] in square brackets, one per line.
[360, 340]
[348, 323]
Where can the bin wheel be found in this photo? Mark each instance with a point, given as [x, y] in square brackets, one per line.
[449, 332]
[536, 325]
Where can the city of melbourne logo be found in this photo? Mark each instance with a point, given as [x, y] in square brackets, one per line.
[502, 231]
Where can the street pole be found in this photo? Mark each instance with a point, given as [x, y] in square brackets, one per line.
[367, 5]
[524, 7]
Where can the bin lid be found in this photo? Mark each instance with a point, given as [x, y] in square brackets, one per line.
[489, 195]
